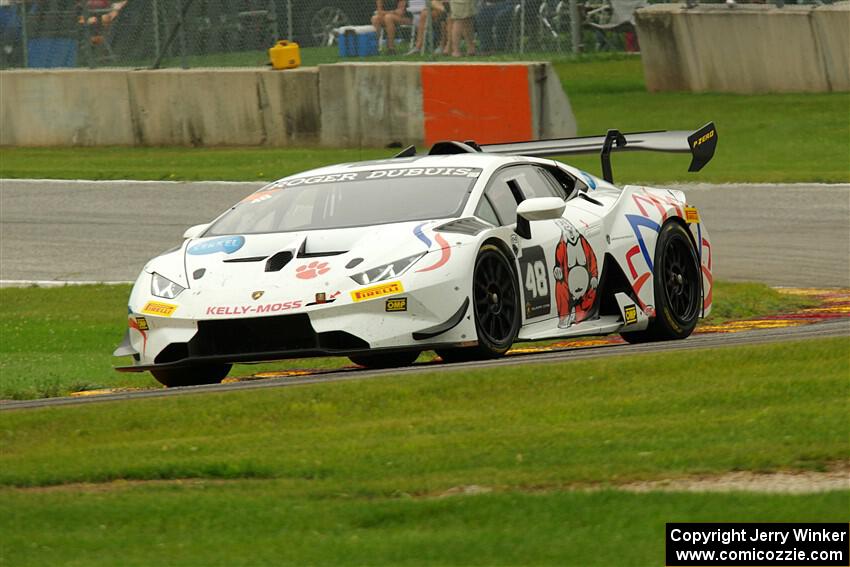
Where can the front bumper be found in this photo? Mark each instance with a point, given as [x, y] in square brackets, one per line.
[341, 328]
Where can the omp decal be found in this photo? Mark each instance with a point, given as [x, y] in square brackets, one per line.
[535, 277]
[421, 235]
[691, 215]
[445, 254]
[245, 309]
[377, 291]
[576, 276]
[159, 308]
[589, 180]
[311, 270]
[704, 138]
[397, 304]
[226, 244]
[637, 221]
[140, 324]
[630, 313]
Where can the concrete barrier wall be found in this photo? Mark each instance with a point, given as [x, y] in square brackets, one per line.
[746, 49]
[194, 107]
[370, 104]
[359, 104]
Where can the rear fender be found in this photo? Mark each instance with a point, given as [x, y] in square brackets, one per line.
[636, 221]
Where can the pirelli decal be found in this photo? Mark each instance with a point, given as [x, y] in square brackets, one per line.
[704, 138]
[377, 291]
[691, 215]
[159, 308]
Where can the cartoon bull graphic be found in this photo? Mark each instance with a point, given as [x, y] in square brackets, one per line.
[576, 276]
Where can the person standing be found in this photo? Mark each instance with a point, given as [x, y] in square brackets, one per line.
[462, 14]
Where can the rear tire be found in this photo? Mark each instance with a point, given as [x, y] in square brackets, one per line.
[192, 375]
[495, 306]
[385, 360]
[678, 292]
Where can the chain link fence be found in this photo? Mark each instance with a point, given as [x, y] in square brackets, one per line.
[203, 33]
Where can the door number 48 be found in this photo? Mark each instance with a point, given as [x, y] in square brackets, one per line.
[536, 279]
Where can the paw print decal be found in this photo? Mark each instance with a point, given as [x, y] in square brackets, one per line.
[311, 270]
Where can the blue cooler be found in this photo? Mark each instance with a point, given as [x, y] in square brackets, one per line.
[357, 41]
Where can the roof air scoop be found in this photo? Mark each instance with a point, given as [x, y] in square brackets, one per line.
[452, 148]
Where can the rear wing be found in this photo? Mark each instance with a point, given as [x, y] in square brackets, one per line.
[700, 144]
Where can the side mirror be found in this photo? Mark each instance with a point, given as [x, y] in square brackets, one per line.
[195, 231]
[541, 208]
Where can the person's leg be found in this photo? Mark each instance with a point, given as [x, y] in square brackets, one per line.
[376, 23]
[469, 36]
[420, 30]
[390, 22]
[456, 32]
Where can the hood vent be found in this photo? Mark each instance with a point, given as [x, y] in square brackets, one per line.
[278, 261]
[248, 259]
[302, 252]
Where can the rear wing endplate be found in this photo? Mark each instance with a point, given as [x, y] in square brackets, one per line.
[700, 143]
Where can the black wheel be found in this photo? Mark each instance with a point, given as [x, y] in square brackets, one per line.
[385, 360]
[678, 293]
[323, 22]
[495, 305]
[192, 376]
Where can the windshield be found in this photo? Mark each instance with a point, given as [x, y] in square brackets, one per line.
[345, 200]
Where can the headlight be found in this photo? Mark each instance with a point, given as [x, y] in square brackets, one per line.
[164, 287]
[391, 270]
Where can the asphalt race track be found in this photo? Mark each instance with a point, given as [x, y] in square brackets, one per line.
[833, 328]
[786, 235]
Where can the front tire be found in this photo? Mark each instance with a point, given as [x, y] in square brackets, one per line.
[385, 360]
[678, 291]
[192, 375]
[495, 305]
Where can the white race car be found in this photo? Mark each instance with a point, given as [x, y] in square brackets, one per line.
[463, 251]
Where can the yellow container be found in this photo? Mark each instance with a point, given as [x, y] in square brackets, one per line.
[285, 55]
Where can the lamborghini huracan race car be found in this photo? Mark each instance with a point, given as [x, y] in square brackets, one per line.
[462, 251]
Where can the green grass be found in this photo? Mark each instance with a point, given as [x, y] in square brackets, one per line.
[171, 164]
[763, 138]
[256, 523]
[349, 472]
[59, 340]
[538, 426]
